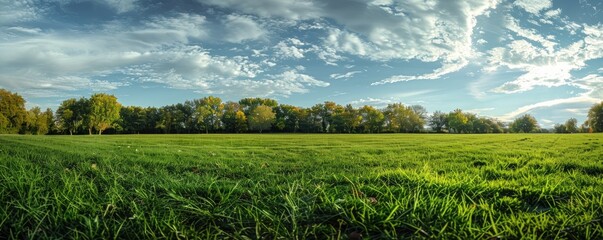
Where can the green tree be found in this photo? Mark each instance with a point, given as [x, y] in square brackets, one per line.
[525, 124]
[372, 119]
[132, 119]
[287, 118]
[400, 118]
[240, 122]
[248, 104]
[152, 119]
[230, 117]
[12, 112]
[559, 128]
[72, 114]
[37, 122]
[209, 113]
[438, 121]
[327, 113]
[571, 125]
[595, 118]
[421, 112]
[50, 121]
[104, 111]
[457, 121]
[261, 118]
[350, 119]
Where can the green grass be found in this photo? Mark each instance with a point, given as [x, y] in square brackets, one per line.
[302, 186]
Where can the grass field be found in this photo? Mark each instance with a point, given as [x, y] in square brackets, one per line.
[302, 186]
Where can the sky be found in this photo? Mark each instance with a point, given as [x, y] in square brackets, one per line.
[496, 58]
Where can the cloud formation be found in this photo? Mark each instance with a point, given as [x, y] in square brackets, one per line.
[284, 48]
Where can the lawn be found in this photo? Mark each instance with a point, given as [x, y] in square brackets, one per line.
[296, 186]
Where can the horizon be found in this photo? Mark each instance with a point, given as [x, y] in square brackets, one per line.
[500, 59]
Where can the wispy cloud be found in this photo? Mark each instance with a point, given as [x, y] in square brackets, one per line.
[547, 104]
[345, 76]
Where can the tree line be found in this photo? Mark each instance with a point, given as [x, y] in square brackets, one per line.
[102, 113]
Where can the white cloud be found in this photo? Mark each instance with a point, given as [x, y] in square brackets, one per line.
[552, 13]
[344, 75]
[481, 41]
[18, 11]
[592, 84]
[157, 51]
[290, 49]
[346, 42]
[533, 6]
[181, 26]
[544, 67]
[287, 9]
[513, 25]
[578, 111]
[375, 102]
[382, 30]
[122, 6]
[547, 104]
[554, 75]
[23, 30]
[436, 74]
[283, 85]
[240, 28]
[480, 110]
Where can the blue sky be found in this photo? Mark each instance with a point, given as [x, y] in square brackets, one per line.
[495, 58]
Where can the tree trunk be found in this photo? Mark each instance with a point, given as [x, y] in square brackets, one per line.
[70, 132]
[100, 132]
[89, 131]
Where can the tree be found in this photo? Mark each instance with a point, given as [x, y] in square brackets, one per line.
[72, 114]
[12, 112]
[248, 104]
[261, 118]
[595, 118]
[525, 124]
[132, 119]
[50, 121]
[571, 125]
[36, 123]
[438, 121]
[240, 122]
[420, 111]
[351, 119]
[479, 124]
[233, 118]
[287, 118]
[104, 111]
[559, 128]
[209, 113]
[584, 128]
[457, 121]
[307, 121]
[152, 119]
[173, 119]
[372, 119]
[400, 118]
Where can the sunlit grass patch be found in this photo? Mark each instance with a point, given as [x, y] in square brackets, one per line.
[302, 186]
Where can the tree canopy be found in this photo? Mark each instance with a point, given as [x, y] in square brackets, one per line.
[12, 112]
[261, 118]
[103, 113]
[525, 124]
[595, 117]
